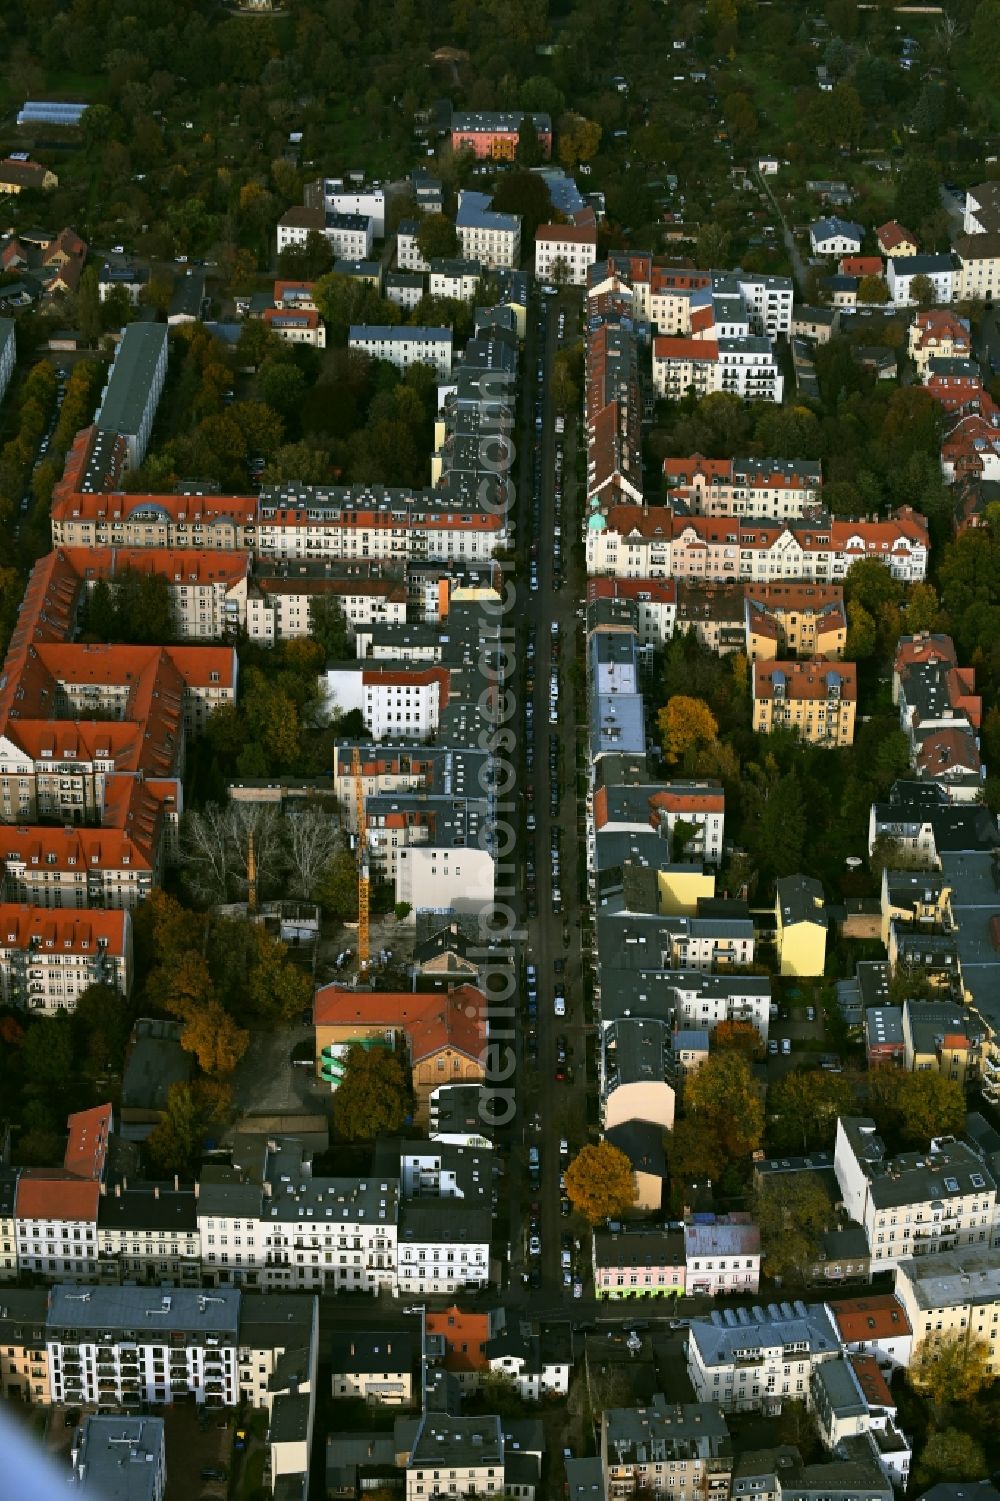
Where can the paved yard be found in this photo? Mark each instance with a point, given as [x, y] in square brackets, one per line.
[268, 1083]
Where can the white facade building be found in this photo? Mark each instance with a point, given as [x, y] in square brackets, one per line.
[404, 345]
[492, 238]
[916, 1204]
[368, 202]
[565, 252]
[722, 1258]
[749, 1359]
[942, 271]
[350, 236]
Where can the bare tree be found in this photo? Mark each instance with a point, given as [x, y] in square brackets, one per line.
[206, 854]
[264, 822]
[312, 838]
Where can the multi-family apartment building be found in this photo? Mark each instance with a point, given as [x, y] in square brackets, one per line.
[408, 253]
[47, 959]
[24, 1356]
[741, 364]
[403, 345]
[722, 1257]
[132, 392]
[790, 619]
[493, 134]
[682, 1450]
[917, 1203]
[296, 326]
[751, 1359]
[55, 1209]
[876, 1325]
[636, 541]
[564, 253]
[350, 235]
[349, 196]
[208, 589]
[942, 271]
[123, 1455]
[814, 698]
[486, 235]
[955, 1295]
[638, 1261]
[147, 1233]
[771, 489]
[124, 1346]
[940, 713]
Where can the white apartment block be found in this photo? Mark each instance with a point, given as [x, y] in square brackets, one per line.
[350, 236]
[48, 958]
[916, 1204]
[402, 703]
[438, 877]
[123, 1346]
[703, 1001]
[564, 253]
[367, 201]
[8, 1228]
[272, 1329]
[955, 1295]
[722, 1258]
[492, 238]
[749, 1359]
[278, 606]
[56, 1225]
[978, 276]
[404, 288]
[404, 345]
[148, 1233]
[457, 280]
[297, 326]
[408, 253]
[941, 270]
[743, 365]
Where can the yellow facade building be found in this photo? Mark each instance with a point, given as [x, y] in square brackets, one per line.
[814, 698]
[801, 928]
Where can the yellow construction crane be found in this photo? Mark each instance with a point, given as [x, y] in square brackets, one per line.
[251, 875]
[362, 852]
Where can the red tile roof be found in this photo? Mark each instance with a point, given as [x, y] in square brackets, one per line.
[805, 680]
[685, 349]
[431, 1021]
[465, 1336]
[892, 234]
[872, 1382]
[87, 1148]
[877, 1317]
[61, 931]
[570, 234]
[48, 1194]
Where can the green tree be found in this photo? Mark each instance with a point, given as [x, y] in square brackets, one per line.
[922, 291]
[176, 1141]
[374, 1097]
[526, 194]
[950, 1455]
[282, 386]
[277, 990]
[869, 583]
[803, 1108]
[47, 1053]
[102, 1023]
[328, 625]
[724, 1095]
[308, 261]
[214, 1038]
[694, 1152]
[861, 633]
[88, 306]
[600, 1182]
[791, 1211]
[436, 237]
[949, 1369]
[872, 289]
[714, 246]
[529, 147]
[930, 1105]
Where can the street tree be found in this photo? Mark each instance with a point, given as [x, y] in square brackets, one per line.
[724, 1094]
[685, 724]
[600, 1182]
[950, 1369]
[791, 1211]
[922, 291]
[872, 289]
[374, 1097]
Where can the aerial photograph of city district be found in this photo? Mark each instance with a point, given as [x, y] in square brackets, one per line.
[500, 750]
